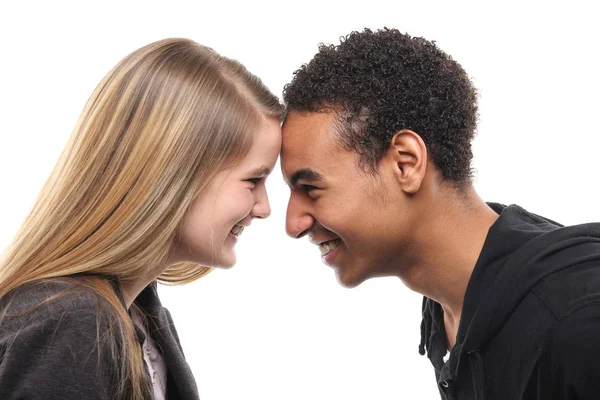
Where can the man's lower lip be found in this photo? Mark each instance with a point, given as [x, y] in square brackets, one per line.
[328, 258]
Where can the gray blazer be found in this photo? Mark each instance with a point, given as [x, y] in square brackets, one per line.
[53, 343]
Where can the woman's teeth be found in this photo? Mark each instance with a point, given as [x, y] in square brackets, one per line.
[237, 230]
[328, 246]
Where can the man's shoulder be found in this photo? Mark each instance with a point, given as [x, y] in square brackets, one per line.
[571, 289]
[561, 267]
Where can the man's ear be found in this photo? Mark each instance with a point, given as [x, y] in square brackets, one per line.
[407, 156]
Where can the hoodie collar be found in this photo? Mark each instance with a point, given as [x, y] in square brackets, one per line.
[510, 232]
[520, 250]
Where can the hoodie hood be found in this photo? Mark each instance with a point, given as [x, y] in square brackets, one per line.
[520, 250]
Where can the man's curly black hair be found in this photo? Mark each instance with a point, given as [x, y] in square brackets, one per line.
[379, 83]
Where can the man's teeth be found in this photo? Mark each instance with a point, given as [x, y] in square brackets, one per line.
[237, 230]
[328, 246]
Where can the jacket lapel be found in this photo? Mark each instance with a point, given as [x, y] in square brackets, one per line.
[180, 383]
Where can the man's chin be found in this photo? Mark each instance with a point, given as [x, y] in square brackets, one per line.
[349, 279]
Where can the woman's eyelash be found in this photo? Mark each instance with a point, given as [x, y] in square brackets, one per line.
[255, 180]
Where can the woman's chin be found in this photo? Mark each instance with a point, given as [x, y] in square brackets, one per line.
[226, 261]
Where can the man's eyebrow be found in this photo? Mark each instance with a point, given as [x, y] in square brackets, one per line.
[305, 174]
[260, 171]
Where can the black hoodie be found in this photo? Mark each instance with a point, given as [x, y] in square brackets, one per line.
[530, 323]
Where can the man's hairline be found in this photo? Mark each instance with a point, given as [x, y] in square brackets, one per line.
[364, 166]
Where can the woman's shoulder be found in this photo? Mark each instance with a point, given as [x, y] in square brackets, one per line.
[57, 331]
[52, 300]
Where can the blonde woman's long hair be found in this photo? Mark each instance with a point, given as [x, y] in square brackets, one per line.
[157, 128]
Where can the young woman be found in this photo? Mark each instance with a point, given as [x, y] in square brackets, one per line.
[165, 168]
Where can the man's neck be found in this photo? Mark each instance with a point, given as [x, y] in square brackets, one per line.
[449, 244]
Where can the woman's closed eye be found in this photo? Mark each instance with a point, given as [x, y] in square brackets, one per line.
[255, 181]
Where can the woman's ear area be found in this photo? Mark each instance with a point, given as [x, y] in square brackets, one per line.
[407, 157]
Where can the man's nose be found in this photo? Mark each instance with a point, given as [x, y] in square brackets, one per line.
[298, 220]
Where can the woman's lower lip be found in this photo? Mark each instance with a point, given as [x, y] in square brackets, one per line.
[329, 257]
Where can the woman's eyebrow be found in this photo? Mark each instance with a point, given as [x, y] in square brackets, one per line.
[260, 171]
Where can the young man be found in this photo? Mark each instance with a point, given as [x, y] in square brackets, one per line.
[377, 153]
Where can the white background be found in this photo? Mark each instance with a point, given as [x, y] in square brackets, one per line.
[277, 325]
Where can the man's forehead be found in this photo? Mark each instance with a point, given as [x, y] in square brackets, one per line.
[304, 142]
[305, 131]
[322, 120]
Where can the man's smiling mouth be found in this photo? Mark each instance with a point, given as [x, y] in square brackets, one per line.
[328, 246]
